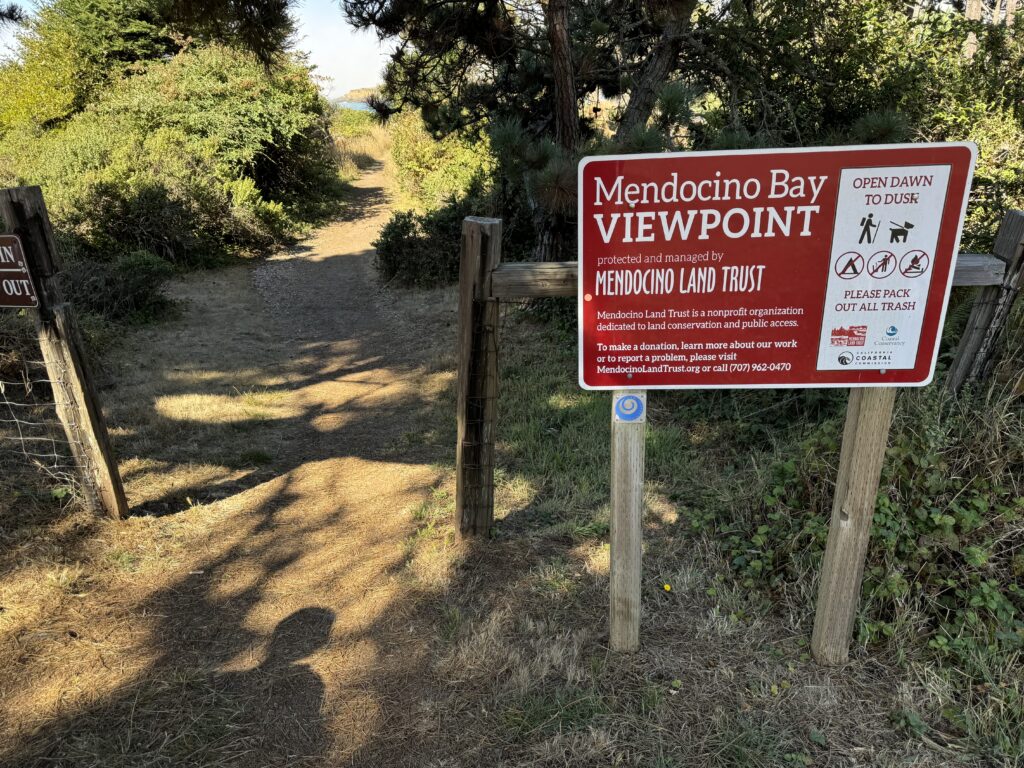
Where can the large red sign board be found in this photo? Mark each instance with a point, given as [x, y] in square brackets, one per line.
[16, 289]
[825, 267]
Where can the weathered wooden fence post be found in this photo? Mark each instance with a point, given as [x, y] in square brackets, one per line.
[979, 346]
[629, 423]
[477, 376]
[78, 405]
[868, 417]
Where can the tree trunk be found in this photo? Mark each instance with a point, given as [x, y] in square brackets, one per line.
[1011, 10]
[972, 10]
[656, 71]
[567, 120]
[551, 230]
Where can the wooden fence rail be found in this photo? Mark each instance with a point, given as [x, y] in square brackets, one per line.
[534, 281]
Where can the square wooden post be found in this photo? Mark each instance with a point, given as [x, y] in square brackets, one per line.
[865, 438]
[978, 350]
[477, 377]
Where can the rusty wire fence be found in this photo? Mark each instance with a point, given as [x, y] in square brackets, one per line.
[36, 456]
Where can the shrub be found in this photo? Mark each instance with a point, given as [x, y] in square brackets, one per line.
[195, 157]
[126, 288]
[422, 250]
[947, 529]
[359, 140]
[431, 170]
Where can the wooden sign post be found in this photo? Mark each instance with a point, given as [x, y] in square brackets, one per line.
[75, 396]
[629, 423]
[865, 437]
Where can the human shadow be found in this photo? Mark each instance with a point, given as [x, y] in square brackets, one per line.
[281, 701]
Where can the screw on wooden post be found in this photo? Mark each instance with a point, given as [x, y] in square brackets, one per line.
[865, 437]
[477, 376]
[629, 422]
[78, 405]
[979, 346]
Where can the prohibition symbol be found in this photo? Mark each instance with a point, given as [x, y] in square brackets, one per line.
[882, 264]
[850, 265]
[914, 263]
[629, 408]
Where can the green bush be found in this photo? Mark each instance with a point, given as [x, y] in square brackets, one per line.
[415, 249]
[195, 157]
[352, 123]
[127, 288]
[431, 171]
[947, 532]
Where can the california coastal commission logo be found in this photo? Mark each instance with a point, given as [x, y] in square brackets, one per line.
[846, 358]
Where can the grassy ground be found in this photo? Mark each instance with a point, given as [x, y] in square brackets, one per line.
[724, 677]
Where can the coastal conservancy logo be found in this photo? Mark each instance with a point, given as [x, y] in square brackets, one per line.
[892, 331]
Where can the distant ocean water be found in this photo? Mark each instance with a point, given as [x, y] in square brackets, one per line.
[360, 106]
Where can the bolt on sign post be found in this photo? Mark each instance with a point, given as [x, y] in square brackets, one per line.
[824, 267]
[29, 266]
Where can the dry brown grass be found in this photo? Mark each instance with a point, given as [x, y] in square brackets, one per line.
[362, 152]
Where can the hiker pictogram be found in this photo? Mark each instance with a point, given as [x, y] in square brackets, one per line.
[882, 264]
[849, 265]
[898, 232]
[914, 263]
[868, 229]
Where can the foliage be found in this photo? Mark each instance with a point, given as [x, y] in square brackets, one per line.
[948, 501]
[260, 26]
[443, 180]
[431, 170]
[349, 123]
[943, 573]
[197, 156]
[70, 50]
[774, 73]
[360, 141]
[420, 249]
[127, 287]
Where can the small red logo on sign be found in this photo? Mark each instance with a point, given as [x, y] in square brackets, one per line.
[854, 336]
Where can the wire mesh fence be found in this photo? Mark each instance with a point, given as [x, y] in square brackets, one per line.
[36, 456]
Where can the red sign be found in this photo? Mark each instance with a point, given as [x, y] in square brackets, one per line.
[825, 267]
[16, 289]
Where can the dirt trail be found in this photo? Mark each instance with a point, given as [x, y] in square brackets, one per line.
[271, 453]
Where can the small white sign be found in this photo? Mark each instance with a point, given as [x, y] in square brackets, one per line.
[883, 250]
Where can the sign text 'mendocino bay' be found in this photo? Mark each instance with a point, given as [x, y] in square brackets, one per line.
[817, 267]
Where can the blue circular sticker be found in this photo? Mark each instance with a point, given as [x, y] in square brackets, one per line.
[629, 408]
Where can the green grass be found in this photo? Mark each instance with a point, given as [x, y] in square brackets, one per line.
[744, 479]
